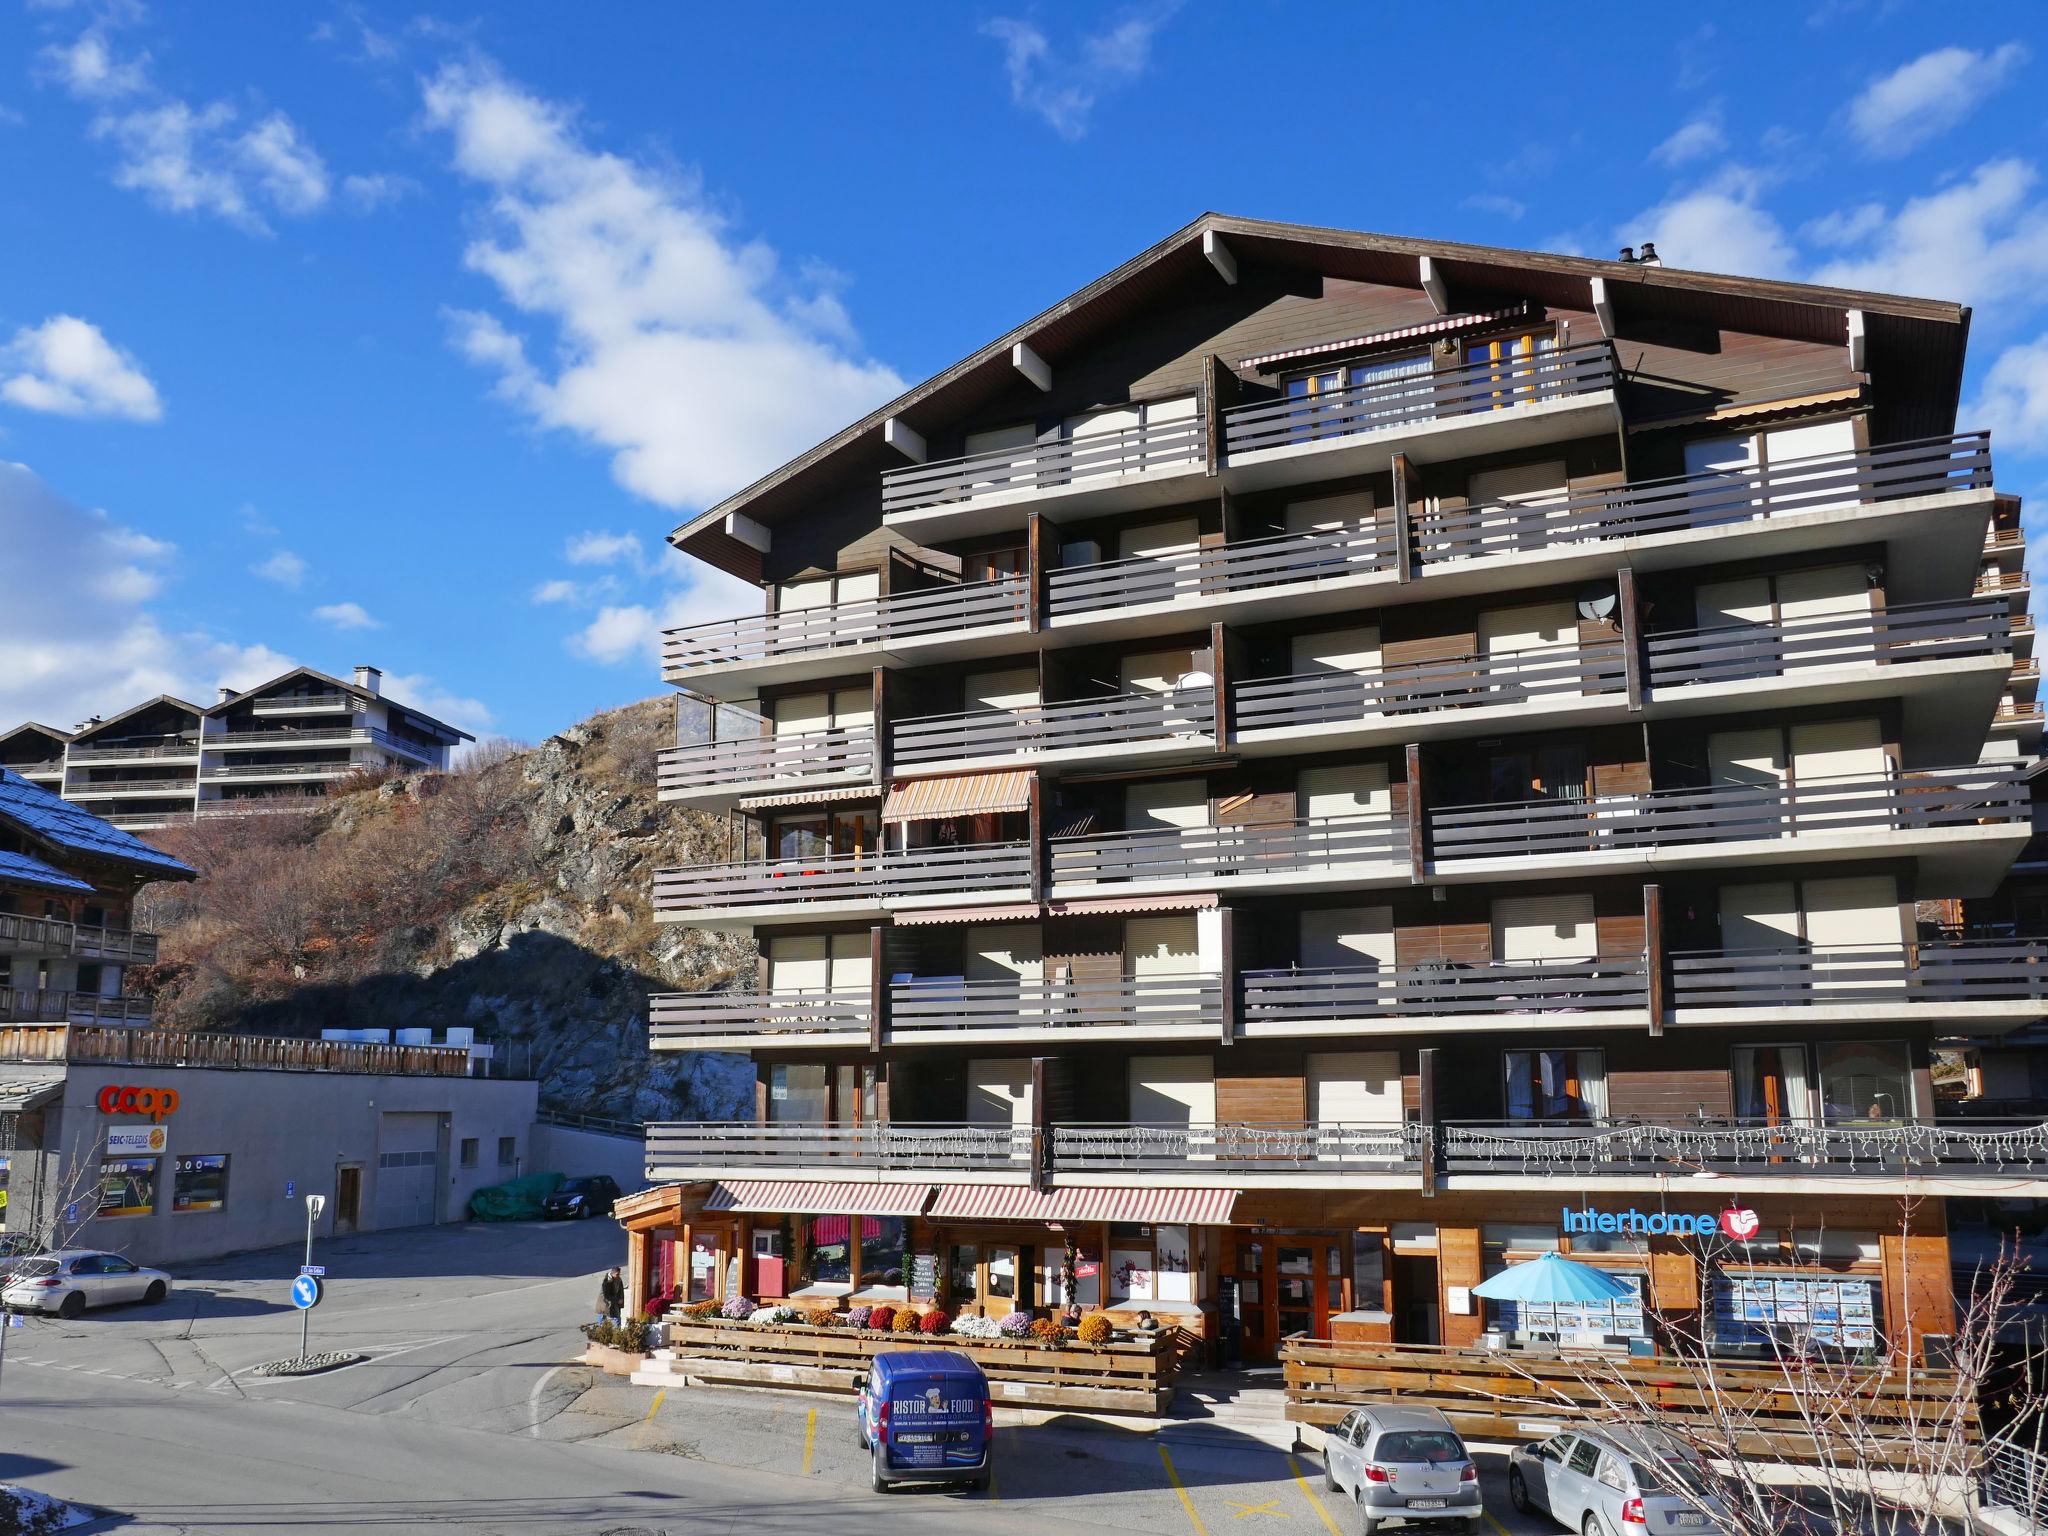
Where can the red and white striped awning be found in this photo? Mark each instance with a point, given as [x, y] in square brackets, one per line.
[1016, 1202]
[913, 917]
[817, 1197]
[1378, 338]
[1193, 901]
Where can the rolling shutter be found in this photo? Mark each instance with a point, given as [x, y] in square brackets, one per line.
[852, 962]
[1005, 952]
[1762, 916]
[1012, 688]
[1163, 804]
[1838, 749]
[1354, 1087]
[1355, 651]
[802, 713]
[1348, 938]
[799, 963]
[1155, 672]
[1348, 790]
[1730, 604]
[1750, 757]
[1553, 927]
[1160, 541]
[1172, 1090]
[999, 1092]
[1330, 514]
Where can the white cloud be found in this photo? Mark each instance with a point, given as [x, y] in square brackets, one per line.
[67, 367]
[1496, 202]
[1845, 226]
[673, 341]
[1696, 140]
[1902, 110]
[346, 616]
[88, 69]
[631, 632]
[1716, 227]
[2012, 403]
[419, 690]
[606, 548]
[284, 568]
[283, 163]
[367, 193]
[1063, 88]
[1977, 240]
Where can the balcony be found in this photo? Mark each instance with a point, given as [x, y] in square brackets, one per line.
[319, 770]
[742, 1021]
[28, 1005]
[1480, 407]
[181, 748]
[39, 773]
[1144, 465]
[1592, 994]
[843, 884]
[890, 1150]
[1964, 823]
[1333, 562]
[1293, 1154]
[768, 764]
[286, 738]
[817, 641]
[306, 704]
[953, 1011]
[1120, 726]
[1950, 980]
[54, 937]
[1304, 852]
[106, 789]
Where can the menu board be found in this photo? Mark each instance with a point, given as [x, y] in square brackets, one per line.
[1621, 1318]
[1839, 1310]
[924, 1276]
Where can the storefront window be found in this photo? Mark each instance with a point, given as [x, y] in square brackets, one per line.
[1555, 1085]
[1865, 1081]
[882, 1240]
[1761, 1313]
[1498, 1241]
[200, 1183]
[831, 1250]
[1368, 1270]
[127, 1186]
[963, 1284]
[1002, 1274]
[1827, 1246]
[1174, 1277]
[703, 1266]
[796, 1093]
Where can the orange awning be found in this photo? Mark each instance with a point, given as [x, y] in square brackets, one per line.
[1193, 901]
[809, 1197]
[963, 794]
[913, 917]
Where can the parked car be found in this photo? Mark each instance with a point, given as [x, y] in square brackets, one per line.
[1404, 1466]
[71, 1279]
[1616, 1482]
[591, 1194]
[925, 1417]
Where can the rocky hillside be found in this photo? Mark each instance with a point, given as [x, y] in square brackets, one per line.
[511, 896]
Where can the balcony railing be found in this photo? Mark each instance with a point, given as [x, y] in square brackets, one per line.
[1063, 464]
[768, 760]
[681, 1016]
[1404, 403]
[335, 768]
[1899, 636]
[1222, 570]
[891, 1146]
[1719, 498]
[270, 1053]
[1127, 719]
[182, 747]
[304, 703]
[935, 1008]
[1282, 998]
[54, 936]
[35, 935]
[960, 870]
[1456, 682]
[1783, 1149]
[1322, 1147]
[1992, 796]
[1945, 971]
[284, 738]
[795, 631]
[1306, 845]
[29, 1005]
[103, 788]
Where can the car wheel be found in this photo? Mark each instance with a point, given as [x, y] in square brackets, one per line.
[72, 1305]
[1591, 1527]
[155, 1293]
[881, 1483]
[1518, 1491]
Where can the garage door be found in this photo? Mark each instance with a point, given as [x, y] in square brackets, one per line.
[408, 1169]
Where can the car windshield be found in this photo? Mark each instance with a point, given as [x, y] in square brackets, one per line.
[579, 1186]
[30, 1269]
[1413, 1445]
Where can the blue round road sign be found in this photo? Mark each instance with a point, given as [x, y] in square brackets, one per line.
[306, 1291]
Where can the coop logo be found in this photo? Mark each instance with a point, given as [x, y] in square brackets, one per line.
[153, 1102]
[1739, 1223]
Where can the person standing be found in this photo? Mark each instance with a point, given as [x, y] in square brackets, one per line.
[611, 1297]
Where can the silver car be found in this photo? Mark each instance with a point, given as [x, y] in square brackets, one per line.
[70, 1280]
[1403, 1466]
[1614, 1482]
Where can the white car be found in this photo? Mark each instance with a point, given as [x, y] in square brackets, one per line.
[70, 1280]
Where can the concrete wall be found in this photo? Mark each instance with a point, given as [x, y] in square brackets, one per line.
[557, 1149]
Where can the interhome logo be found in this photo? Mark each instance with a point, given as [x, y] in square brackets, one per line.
[1737, 1223]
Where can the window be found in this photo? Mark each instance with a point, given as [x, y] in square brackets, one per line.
[1865, 1081]
[1555, 1085]
[469, 1151]
[508, 1151]
[200, 1183]
[1611, 1475]
[1516, 373]
[856, 1251]
[128, 1186]
[881, 1249]
[797, 1092]
[1356, 396]
[1585, 1456]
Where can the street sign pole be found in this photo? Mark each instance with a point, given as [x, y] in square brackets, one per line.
[314, 1205]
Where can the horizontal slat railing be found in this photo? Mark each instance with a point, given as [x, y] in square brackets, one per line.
[291, 703]
[282, 770]
[29, 1005]
[792, 757]
[1528, 986]
[105, 788]
[1717, 498]
[889, 1146]
[683, 1015]
[1391, 1147]
[958, 870]
[185, 747]
[936, 1007]
[1385, 405]
[1942, 798]
[900, 616]
[1900, 636]
[1791, 1148]
[184, 1048]
[1944, 971]
[1304, 846]
[1457, 682]
[1061, 464]
[1222, 570]
[1122, 719]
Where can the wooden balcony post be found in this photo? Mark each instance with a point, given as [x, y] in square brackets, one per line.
[1041, 1129]
[1222, 667]
[1632, 655]
[1227, 959]
[1653, 956]
[1041, 559]
[1404, 527]
[878, 988]
[878, 709]
[1418, 850]
[1035, 831]
[1425, 1114]
[1220, 391]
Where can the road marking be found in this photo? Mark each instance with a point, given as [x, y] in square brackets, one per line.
[533, 1400]
[1246, 1511]
[1496, 1524]
[810, 1438]
[1181, 1492]
[655, 1407]
[1310, 1494]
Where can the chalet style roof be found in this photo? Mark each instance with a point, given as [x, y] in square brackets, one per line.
[35, 728]
[27, 869]
[112, 720]
[1919, 342]
[59, 824]
[420, 717]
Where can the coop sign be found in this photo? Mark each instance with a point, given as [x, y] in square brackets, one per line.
[1737, 1223]
[153, 1102]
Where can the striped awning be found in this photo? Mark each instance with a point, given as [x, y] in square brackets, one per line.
[817, 1197]
[962, 794]
[811, 797]
[1016, 1202]
[914, 917]
[1378, 338]
[1192, 901]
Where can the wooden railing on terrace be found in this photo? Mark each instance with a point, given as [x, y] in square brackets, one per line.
[1917, 632]
[933, 1009]
[1068, 725]
[688, 1015]
[1286, 559]
[181, 1048]
[900, 616]
[965, 869]
[1305, 845]
[769, 759]
[886, 1146]
[1061, 464]
[1933, 971]
[1455, 682]
[1280, 999]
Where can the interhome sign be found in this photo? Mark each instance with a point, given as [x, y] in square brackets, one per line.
[153, 1102]
[1737, 1223]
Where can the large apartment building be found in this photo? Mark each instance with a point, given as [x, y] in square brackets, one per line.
[1322, 765]
[273, 747]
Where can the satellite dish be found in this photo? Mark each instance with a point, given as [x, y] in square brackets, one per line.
[1189, 680]
[1599, 603]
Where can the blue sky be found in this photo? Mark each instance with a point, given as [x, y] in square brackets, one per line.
[367, 334]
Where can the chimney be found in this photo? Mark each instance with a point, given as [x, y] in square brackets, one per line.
[1628, 253]
[1650, 256]
[228, 694]
[370, 680]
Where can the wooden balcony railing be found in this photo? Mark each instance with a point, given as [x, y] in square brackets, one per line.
[933, 1008]
[1069, 725]
[54, 936]
[1223, 570]
[270, 1053]
[30, 1005]
[1783, 1149]
[1994, 795]
[1396, 404]
[677, 1016]
[286, 737]
[35, 935]
[1062, 464]
[1944, 971]
[1286, 997]
[325, 768]
[900, 616]
[768, 760]
[1456, 682]
[1306, 845]
[962, 870]
[99, 789]
[1918, 632]
[888, 1146]
[184, 746]
[304, 703]
[1327, 1146]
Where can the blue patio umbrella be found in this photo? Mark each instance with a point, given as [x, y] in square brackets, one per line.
[1552, 1278]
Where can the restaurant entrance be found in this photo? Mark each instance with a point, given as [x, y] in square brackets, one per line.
[1287, 1284]
[992, 1278]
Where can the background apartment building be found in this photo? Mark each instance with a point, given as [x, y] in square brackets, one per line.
[1263, 786]
[273, 747]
